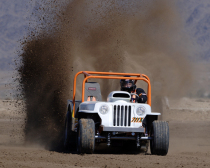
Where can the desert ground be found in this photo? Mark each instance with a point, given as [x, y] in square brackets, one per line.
[189, 122]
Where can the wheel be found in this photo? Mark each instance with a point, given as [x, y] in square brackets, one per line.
[69, 135]
[67, 131]
[86, 136]
[160, 133]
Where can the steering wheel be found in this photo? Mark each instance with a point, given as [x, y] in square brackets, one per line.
[134, 94]
[137, 96]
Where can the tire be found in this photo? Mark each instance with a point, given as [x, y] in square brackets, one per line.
[67, 132]
[69, 135]
[160, 133]
[86, 136]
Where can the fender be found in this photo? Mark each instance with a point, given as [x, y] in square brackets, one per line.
[147, 121]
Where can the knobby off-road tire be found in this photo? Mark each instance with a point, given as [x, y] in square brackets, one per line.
[66, 132]
[69, 135]
[160, 133]
[86, 136]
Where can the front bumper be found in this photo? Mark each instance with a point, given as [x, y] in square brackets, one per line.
[123, 129]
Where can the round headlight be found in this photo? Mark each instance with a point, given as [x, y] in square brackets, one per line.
[140, 110]
[104, 109]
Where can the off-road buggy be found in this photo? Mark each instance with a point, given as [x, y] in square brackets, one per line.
[92, 121]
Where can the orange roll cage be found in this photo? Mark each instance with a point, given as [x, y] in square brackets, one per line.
[111, 75]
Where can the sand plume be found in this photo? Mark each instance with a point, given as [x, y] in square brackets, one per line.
[131, 36]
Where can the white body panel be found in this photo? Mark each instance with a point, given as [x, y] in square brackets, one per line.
[112, 98]
[108, 118]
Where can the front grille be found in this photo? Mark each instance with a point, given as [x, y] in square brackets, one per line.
[122, 115]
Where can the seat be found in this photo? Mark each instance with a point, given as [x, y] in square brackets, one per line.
[92, 91]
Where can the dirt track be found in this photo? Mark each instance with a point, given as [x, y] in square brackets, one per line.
[189, 142]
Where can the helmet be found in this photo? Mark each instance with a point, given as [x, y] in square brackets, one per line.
[127, 84]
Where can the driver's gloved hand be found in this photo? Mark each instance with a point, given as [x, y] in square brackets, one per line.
[141, 98]
[140, 94]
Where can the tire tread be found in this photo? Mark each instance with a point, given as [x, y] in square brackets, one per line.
[161, 137]
[87, 135]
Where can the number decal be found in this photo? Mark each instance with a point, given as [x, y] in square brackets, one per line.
[137, 120]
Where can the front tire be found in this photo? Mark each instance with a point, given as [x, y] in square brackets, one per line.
[86, 136]
[160, 133]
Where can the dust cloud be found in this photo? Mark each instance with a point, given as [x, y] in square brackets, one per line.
[126, 36]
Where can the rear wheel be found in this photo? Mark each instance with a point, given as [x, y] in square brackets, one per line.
[160, 133]
[67, 131]
[69, 135]
[86, 136]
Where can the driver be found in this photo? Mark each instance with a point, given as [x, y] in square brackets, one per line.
[129, 86]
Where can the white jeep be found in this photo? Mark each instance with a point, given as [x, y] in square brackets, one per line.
[117, 119]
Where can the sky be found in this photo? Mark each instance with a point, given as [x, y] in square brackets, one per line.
[16, 16]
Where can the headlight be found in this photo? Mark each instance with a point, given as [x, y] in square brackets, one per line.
[104, 109]
[140, 110]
